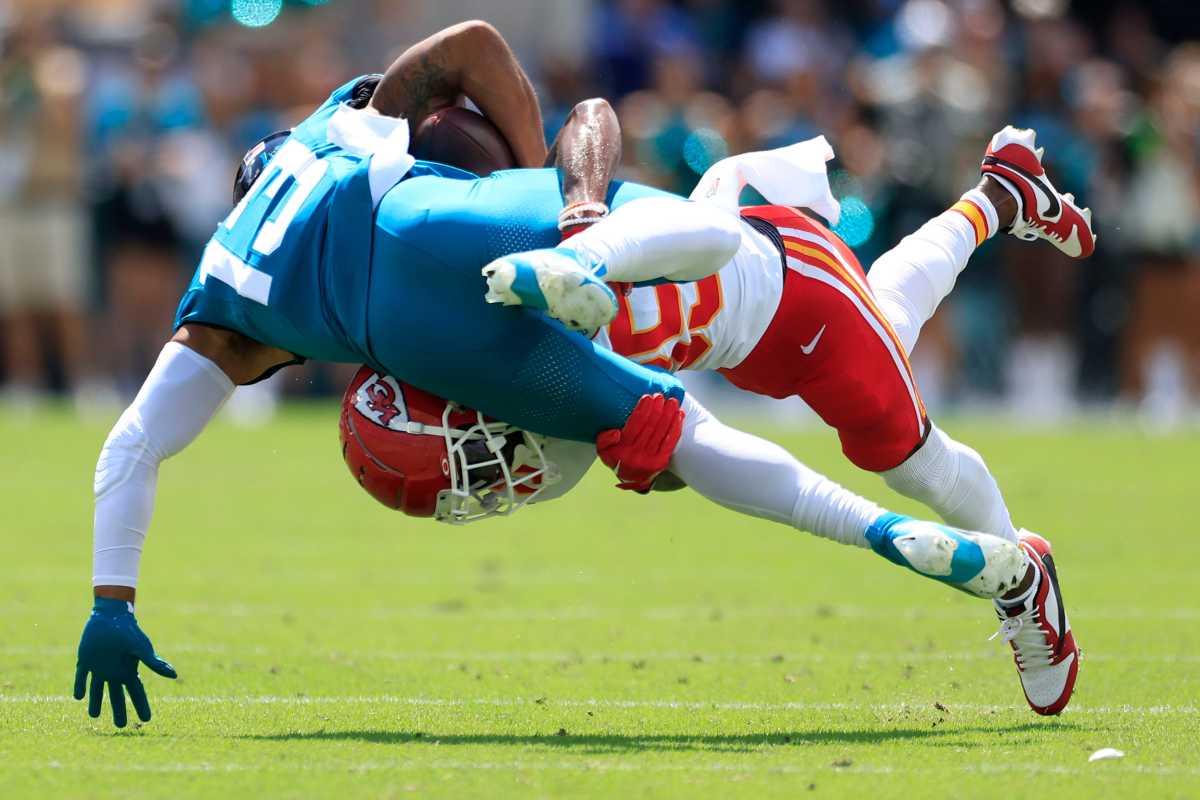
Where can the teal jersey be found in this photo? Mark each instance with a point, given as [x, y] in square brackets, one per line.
[347, 249]
[289, 266]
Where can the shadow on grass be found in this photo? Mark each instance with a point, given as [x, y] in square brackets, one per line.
[612, 743]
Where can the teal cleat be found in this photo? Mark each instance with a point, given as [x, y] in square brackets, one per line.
[977, 563]
[557, 280]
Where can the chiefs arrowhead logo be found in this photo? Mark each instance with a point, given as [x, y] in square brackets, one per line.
[380, 400]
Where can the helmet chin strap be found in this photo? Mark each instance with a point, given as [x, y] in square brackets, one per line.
[467, 502]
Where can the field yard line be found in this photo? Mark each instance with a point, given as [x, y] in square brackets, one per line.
[463, 610]
[592, 764]
[695, 705]
[462, 656]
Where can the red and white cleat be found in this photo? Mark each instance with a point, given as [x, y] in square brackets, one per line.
[1043, 648]
[1013, 159]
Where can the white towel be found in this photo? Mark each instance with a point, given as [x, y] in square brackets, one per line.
[790, 176]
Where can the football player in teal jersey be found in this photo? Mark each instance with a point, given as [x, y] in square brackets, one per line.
[343, 247]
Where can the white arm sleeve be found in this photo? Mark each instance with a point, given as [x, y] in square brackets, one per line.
[661, 237]
[181, 394]
[756, 477]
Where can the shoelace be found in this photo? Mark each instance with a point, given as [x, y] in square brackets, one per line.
[1031, 232]
[1027, 639]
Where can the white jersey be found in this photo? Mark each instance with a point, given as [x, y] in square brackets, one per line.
[708, 324]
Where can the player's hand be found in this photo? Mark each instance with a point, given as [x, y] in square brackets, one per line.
[110, 649]
[641, 451]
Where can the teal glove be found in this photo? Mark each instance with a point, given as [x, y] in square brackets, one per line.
[110, 649]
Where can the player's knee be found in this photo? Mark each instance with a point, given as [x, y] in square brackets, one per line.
[881, 448]
[927, 473]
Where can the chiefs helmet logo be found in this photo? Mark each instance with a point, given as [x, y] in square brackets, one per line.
[380, 400]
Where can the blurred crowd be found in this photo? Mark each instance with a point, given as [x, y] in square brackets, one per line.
[121, 122]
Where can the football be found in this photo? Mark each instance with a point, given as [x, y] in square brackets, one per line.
[462, 138]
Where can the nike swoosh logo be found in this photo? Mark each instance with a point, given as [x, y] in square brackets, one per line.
[1053, 210]
[808, 348]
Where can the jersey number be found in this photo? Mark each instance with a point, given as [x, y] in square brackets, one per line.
[671, 344]
[295, 171]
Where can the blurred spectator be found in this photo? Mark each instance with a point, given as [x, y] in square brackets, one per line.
[1163, 212]
[797, 36]
[138, 105]
[629, 35]
[44, 276]
[673, 130]
[135, 111]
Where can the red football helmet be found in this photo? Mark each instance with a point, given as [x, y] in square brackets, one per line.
[425, 456]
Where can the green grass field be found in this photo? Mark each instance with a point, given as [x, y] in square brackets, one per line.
[610, 646]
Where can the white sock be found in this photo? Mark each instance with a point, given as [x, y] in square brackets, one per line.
[661, 237]
[181, 394]
[911, 280]
[756, 477]
[953, 480]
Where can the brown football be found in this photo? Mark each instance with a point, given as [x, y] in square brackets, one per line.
[462, 138]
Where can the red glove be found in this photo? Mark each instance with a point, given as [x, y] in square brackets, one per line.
[641, 451]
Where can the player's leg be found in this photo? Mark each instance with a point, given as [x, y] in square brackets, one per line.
[1015, 195]
[649, 239]
[586, 152]
[952, 479]
[837, 349]
[906, 285]
[756, 477]
[909, 282]
[429, 324]
[926, 465]
[515, 211]
[912, 279]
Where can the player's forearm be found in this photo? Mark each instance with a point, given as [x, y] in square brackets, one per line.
[587, 153]
[181, 394]
[495, 81]
[470, 59]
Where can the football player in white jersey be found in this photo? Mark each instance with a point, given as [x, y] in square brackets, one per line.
[794, 313]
